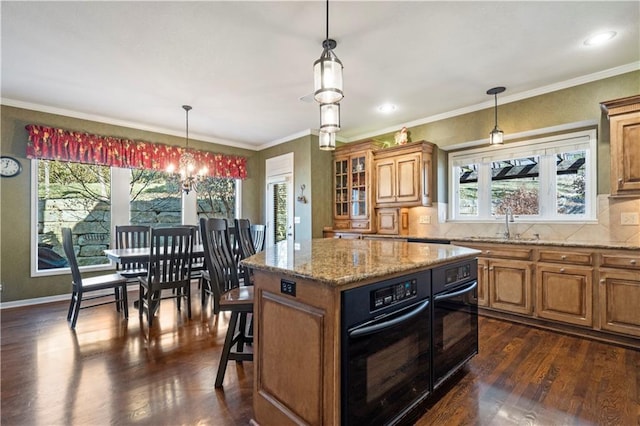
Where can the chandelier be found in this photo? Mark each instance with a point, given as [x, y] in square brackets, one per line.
[496, 136]
[187, 166]
[327, 79]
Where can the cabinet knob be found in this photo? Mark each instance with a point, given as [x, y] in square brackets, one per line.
[602, 281]
[563, 257]
[485, 268]
[633, 261]
[491, 269]
[488, 252]
[562, 270]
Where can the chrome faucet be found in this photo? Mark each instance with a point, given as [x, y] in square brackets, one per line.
[508, 217]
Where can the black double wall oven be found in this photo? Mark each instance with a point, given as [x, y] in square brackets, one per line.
[399, 336]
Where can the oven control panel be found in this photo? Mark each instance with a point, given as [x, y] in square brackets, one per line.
[458, 273]
[392, 294]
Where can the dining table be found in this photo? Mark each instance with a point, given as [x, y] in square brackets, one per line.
[141, 254]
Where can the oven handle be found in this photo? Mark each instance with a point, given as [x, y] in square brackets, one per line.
[370, 329]
[456, 293]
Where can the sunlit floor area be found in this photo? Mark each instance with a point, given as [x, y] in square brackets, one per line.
[110, 371]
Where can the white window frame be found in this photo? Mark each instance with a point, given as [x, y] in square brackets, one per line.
[120, 178]
[544, 147]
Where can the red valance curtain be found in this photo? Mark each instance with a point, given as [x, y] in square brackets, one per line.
[50, 143]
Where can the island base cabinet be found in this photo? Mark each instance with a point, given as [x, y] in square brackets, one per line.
[565, 293]
[296, 379]
[620, 301]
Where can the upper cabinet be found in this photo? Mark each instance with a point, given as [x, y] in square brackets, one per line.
[352, 207]
[624, 122]
[403, 175]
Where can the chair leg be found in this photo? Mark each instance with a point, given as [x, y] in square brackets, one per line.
[140, 300]
[72, 304]
[116, 293]
[242, 330]
[76, 310]
[188, 299]
[226, 349]
[125, 301]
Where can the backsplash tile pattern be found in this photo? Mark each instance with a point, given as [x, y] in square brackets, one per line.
[607, 229]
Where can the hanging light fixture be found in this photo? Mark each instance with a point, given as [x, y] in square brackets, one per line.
[187, 166]
[327, 80]
[327, 72]
[327, 141]
[496, 136]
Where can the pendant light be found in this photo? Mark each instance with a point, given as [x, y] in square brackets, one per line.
[327, 141]
[187, 166]
[327, 72]
[327, 80]
[496, 136]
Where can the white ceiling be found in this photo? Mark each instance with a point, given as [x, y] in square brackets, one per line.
[244, 66]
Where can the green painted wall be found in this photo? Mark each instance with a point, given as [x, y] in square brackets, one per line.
[15, 224]
[313, 167]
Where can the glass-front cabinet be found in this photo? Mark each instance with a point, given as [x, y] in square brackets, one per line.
[352, 187]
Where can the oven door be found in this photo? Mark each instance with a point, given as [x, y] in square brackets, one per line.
[455, 329]
[386, 371]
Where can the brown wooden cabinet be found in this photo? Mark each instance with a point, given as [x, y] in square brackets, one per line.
[624, 125]
[505, 278]
[564, 286]
[403, 175]
[352, 206]
[619, 292]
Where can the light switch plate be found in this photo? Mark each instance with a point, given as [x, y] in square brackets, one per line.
[629, 218]
[425, 219]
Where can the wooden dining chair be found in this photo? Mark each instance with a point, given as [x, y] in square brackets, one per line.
[197, 262]
[258, 236]
[169, 269]
[132, 236]
[222, 274]
[80, 286]
[245, 246]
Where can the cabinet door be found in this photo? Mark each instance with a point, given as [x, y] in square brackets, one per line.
[510, 286]
[619, 294]
[341, 177]
[408, 178]
[625, 153]
[388, 221]
[483, 282]
[565, 293]
[359, 187]
[385, 181]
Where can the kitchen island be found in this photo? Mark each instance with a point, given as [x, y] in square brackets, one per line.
[298, 311]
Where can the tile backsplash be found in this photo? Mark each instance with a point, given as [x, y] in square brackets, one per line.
[609, 227]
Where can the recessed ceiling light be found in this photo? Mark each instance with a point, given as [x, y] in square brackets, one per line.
[387, 108]
[600, 38]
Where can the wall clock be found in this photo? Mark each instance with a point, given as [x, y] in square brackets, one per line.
[9, 166]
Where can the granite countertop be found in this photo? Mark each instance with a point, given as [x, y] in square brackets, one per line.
[558, 243]
[340, 262]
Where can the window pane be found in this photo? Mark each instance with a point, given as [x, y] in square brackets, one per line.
[76, 196]
[571, 183]
[217, 198]
[468, 190]
[154, 198]
[515, 185]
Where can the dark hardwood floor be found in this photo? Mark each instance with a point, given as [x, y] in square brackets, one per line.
[109, 372]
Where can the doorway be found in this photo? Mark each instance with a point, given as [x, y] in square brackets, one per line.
[279, 203]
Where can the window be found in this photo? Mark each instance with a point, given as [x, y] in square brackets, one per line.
[547, 179]
[91, 199]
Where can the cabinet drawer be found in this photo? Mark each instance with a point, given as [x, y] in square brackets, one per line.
[632, 261]
[360, 224]
[573, 258]
[341, 224]
[506, 252]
